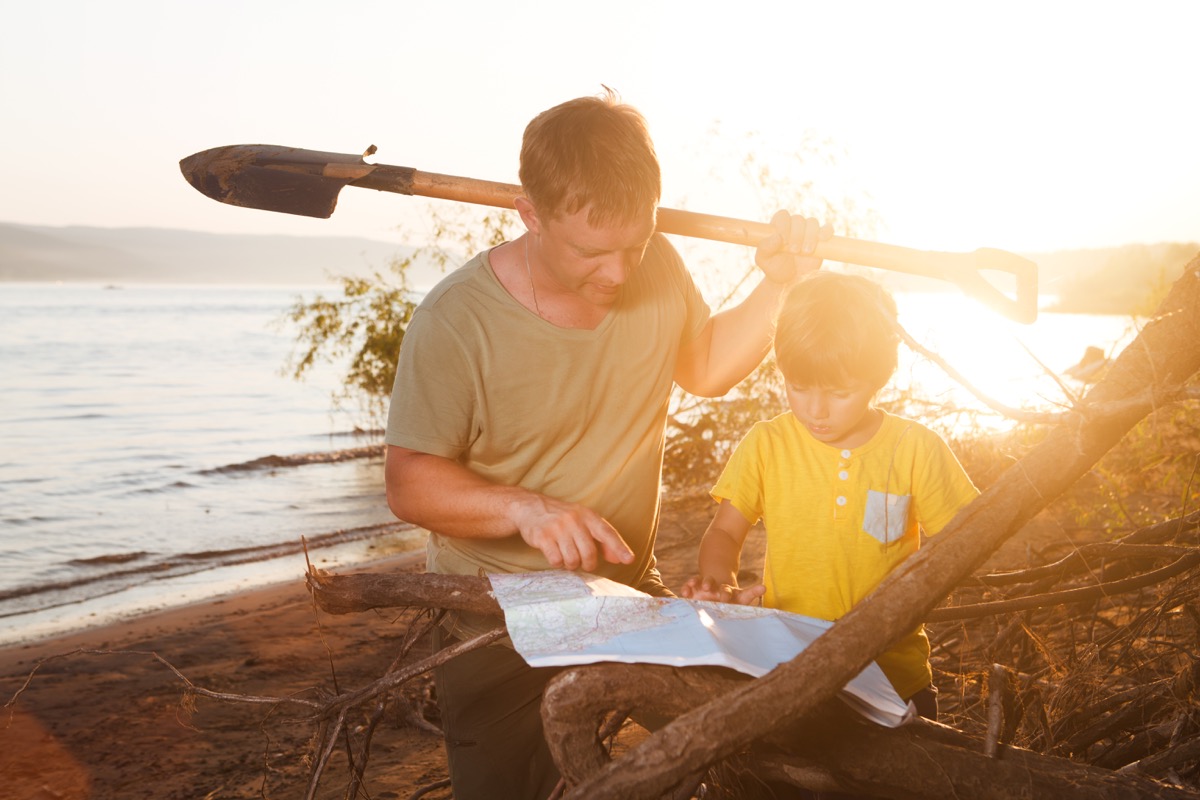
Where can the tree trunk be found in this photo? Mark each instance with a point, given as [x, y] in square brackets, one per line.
[835, 750]
[1154, 367]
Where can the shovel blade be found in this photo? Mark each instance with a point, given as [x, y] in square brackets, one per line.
[285, 179]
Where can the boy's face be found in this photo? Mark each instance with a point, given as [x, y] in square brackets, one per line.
[839, 416]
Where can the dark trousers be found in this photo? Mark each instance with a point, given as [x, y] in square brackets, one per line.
[491, 706]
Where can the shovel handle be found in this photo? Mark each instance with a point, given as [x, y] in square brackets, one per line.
[296, 181]
[965, 270]
[962, 269]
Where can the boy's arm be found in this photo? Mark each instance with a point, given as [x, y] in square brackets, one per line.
[720, 556]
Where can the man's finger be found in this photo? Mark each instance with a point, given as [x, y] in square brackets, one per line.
[614, 547]
[812, 230]
[552, 553]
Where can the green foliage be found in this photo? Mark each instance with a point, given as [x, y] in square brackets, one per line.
[361, 330]
[365, 325]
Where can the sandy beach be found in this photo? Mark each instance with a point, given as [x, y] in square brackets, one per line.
[103, 718]
[120, 724]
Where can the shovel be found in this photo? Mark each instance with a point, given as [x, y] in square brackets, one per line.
[307, 182]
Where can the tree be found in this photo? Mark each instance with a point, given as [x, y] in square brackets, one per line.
[363, 329]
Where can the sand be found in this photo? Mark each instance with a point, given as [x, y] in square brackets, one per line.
[120, 724]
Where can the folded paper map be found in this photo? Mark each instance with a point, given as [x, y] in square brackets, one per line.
[558, 618]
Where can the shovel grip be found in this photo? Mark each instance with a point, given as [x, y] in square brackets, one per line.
[962, 269]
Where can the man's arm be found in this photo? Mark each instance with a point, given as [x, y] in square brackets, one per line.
[736, 340]
[444, 496]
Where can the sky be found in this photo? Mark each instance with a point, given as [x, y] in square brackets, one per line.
[1025, 126]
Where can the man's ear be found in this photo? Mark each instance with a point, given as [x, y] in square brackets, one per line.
[529, 215]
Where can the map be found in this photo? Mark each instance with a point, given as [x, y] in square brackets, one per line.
[558, 618]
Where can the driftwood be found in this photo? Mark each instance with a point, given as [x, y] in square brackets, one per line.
[347, 594]
[827, 753]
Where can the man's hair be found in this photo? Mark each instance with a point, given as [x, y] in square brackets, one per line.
[835, 327]
[591, 151]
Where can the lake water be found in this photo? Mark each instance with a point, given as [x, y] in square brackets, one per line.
[130, 419]
[133, 421]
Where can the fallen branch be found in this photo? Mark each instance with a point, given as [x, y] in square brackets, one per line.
[1134, 545]
[313, 705]
[1077, 595]
[347, 594]
[833, 750]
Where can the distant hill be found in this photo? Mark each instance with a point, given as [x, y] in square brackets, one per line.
[162, 255]
[1115, 280]
[1131, 279]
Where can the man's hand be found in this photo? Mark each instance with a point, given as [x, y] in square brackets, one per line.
[708, 588]
[786, 255]
[568, 534]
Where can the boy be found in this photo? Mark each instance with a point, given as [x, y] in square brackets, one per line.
[844, 489]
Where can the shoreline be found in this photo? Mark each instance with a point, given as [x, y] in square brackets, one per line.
[142, 608]
[162, 593]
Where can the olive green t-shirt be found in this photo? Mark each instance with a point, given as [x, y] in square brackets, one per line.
[578, 415]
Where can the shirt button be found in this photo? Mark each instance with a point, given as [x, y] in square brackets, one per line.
[841, 501]
[845, 454]
[843, 474]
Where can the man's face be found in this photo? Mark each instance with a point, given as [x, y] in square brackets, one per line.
[592, 262]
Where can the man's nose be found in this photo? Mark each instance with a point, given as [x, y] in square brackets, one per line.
[617, 268]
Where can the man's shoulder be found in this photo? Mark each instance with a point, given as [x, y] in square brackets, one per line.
[473, 272]
[470, 297]
[661, 254]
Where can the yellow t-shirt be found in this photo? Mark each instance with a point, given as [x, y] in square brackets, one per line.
[838, 521]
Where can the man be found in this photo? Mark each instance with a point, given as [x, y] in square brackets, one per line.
[527, 421]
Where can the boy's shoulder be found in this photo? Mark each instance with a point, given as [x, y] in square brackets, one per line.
[781, 424]
[901, 434]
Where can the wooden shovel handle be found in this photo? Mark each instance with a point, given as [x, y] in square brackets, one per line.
[962, 269]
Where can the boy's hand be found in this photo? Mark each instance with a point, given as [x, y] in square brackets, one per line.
[710, 589]
[786, 254]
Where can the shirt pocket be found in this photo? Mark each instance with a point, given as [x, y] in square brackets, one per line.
[886, 516]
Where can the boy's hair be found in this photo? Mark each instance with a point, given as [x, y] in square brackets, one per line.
[835, 327]
[591, 151]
